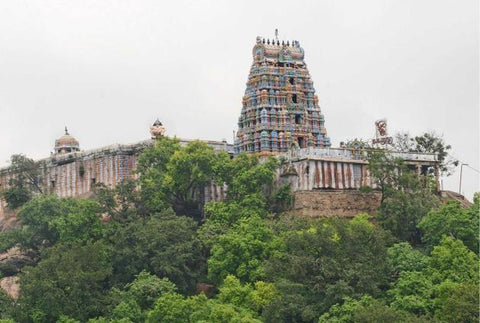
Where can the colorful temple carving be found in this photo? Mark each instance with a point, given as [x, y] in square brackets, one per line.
[280, 108]
[280, 116]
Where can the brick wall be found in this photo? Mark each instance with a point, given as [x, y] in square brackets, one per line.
[335, 203]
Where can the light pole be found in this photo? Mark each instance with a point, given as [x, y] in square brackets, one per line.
[460, 186]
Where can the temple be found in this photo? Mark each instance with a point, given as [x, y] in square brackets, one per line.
[280, 108]
[280, 116]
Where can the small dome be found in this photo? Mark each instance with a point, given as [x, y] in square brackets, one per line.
[66, 144]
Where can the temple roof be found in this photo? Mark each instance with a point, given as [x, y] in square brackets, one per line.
[66, 143]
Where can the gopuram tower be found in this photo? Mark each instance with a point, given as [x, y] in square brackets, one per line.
[280, 108]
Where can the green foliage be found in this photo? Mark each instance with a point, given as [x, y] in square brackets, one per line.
[241, 251]
[66, 319]
[48, 219]
[433, 143]
[138, 297]
[253, 297]
[453, 220]
[235, 303]
[6, 305]
[16, 196]
[144, 261]
[68, 280]
[248, 178]
[122, 204]
[458, 302]
[152, 167]
[146, 288]
[174, 176]
[428, 143]
[405, 198]
[366, 309]
[344, 313]
[378, 311]
[128, 310]
[189, 170]
[321, 265]
[413, 292]
[165, 245]
[453, 261]
[423, 292]
[26, 181]
[402, 257]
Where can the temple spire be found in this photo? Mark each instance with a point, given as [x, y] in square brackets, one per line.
[280, 108]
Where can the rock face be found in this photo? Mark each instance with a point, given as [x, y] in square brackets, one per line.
[13, 260]
[335, 203]
[11, 263]
[11, 286]
[8, 218]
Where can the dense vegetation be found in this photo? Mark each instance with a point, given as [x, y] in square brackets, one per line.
[152, 251]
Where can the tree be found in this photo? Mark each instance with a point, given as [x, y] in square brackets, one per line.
[139, 296]
[70, 280]
[433, 143]
[175, 176]
[241, 251]
[458, 302]
[453, 261]
[122, 203]
[366, 309]
[385, 171]
[428, 142]
[378, 311]
[152, 168]
[165, 245]
[189, 171]
[425, 292]
[401, 257]
[254, 297]
[405, 198]
[27, 180]
[453, 220]
[413, 292]
[235, 303]
[317, 267]
[48, 219]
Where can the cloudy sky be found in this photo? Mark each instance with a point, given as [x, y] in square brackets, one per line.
[108, 69]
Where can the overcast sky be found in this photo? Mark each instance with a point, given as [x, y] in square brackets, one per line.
[108, 69]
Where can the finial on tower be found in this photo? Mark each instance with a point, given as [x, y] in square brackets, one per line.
[66, 130]
[276, 34]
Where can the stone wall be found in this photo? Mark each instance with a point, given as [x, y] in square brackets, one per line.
[335, 203]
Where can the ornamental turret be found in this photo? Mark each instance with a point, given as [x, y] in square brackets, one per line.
[66, 144]
[157, 130]
[280, 108]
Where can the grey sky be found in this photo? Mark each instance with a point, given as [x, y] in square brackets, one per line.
[107, 69]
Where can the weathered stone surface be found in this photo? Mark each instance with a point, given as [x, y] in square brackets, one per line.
[13, 260]
[335, 203]
[11, 286]
[8, 218]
